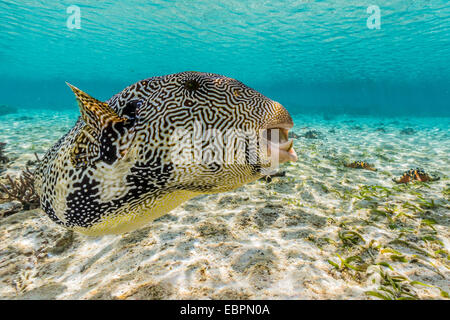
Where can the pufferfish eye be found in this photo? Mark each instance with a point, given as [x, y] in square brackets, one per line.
[191, 85]
[130, 109]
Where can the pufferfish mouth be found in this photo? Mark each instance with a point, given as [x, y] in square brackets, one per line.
[276, 139]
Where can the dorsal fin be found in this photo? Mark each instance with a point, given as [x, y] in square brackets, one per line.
[104, 136]
[95, 113]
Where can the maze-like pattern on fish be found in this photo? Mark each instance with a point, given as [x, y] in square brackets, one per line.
[117, 168]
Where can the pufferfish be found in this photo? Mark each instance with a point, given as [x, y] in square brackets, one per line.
[119, 167]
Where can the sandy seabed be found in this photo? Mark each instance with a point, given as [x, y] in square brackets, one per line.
[323, 231]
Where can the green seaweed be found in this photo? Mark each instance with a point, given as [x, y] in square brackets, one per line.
[385, 264]
[431, 238]
[411, 246]
[346, 263]
[408, 205]
[383, 214]
[427, 204]
[349, 237]
[375, 191]
[398, 258]
[444, 294]
[393, 287]
[428, 223]
[446, 193]
[443, 253]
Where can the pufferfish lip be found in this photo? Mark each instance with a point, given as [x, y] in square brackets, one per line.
[283, 146]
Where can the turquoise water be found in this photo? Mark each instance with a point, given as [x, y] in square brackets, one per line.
[312, 56]
[358, 88]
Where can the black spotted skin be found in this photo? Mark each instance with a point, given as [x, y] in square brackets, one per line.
[122, 173]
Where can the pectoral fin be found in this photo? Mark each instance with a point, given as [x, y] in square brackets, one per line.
[86, 149]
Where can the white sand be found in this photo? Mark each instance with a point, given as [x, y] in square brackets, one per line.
[262, 241]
